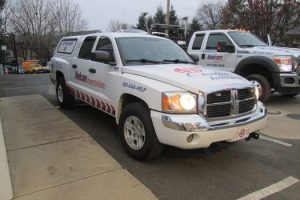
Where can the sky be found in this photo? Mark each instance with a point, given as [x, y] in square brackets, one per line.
[100, 12]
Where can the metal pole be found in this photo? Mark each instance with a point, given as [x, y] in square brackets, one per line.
[15, 51]
[168, 15]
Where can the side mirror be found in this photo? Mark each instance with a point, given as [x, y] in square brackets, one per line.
[195, 57]
[101, 56]
[223, 47]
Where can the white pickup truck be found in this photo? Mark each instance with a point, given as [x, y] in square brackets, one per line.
[270, 68]
[156, 92]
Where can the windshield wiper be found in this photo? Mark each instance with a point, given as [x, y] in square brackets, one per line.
[247, 45]
[143, 60]
[179, 61]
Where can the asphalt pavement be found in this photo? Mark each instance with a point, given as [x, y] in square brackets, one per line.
[268, 166]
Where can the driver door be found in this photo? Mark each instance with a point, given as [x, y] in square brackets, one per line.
[100, 75]
[220, 60]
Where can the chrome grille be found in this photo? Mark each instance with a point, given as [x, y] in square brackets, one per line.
[245, 93]
[246, 106]
[230, 102]
[219, 110]
[218, 97]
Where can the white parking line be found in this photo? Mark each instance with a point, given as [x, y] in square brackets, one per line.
[275, 141]
[276, 187]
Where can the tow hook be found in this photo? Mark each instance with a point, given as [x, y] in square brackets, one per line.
[253, 135]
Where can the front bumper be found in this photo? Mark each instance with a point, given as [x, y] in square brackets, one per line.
[289, 83]
[174, 130]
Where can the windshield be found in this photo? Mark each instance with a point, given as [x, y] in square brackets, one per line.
[246, 39]
[148, 50]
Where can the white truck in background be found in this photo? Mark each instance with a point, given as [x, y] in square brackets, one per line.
[156, 92]
[269, 68]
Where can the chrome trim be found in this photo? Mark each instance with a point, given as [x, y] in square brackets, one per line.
[187, 124]
[218, 104]
[197, 123]
[293, 75]
[235, 102]
[246, 99]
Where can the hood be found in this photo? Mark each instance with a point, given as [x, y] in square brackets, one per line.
[274, 50]
[190, 77]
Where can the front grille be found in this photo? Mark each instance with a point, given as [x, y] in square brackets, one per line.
[230, 102]
[218, 97]
[219, 110]
[245, 93]
[246, 106]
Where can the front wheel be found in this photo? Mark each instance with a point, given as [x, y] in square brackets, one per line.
[64, 98]
[263, 86]
[137, 133]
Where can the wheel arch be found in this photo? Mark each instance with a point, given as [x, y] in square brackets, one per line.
[258, 65]
[59, 74]
[126, 99]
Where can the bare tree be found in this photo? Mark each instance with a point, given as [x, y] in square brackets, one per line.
[115, 25]
[38, 24]
[210, 14]
[275, 17]
[67, 17]
[6, 12]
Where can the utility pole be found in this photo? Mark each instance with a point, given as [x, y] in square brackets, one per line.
[168, 15]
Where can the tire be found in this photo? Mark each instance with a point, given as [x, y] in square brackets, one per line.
[64, 98]
[263, 84]
[290, 95]
[141, 129]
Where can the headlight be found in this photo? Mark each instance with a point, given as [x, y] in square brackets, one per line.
[285, 63]
[179, 102]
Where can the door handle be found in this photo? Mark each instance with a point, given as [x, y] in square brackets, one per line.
[203, 56]
[74, 66]
[92, 70]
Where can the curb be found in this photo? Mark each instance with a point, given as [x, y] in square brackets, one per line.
[5, 183]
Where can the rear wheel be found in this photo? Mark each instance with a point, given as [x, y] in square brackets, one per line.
[64, 98]
[137, 133]
[263, 86]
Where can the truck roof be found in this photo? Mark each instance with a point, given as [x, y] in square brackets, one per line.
[219, 31]
[114, 35]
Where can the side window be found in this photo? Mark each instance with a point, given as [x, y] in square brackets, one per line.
[66, 46]
[198, 42]
[213, 40]
[86, 48]
[105, 44]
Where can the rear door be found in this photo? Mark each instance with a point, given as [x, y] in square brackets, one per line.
[197, 47]
[79, 71]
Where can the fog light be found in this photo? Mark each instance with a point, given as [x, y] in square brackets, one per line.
[289, 80]
[190, 138]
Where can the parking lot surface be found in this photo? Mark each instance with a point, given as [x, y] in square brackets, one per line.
[266, 168]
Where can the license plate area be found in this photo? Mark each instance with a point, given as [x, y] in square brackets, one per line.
[241, 133]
